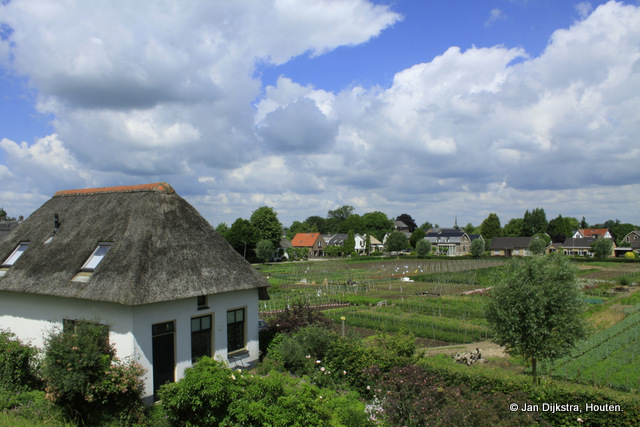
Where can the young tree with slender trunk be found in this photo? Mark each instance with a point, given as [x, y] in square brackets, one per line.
[536, 309]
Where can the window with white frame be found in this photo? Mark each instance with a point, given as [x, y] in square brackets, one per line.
[96, 256]
[17, 253]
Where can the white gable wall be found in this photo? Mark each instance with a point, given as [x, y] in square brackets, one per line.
[31, 317]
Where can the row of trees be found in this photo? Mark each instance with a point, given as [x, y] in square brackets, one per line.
[536, 223]
[257, 237]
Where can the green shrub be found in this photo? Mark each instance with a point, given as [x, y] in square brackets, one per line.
[416, 397]
[298, 352]
[18, 363]
[86, 380]
[203, 396]
[210, 394]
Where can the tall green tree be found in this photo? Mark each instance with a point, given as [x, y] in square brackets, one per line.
[470, 229]
[377, 223]
[353, 223]
[297, 227]
[559, 229]
[396, 241]
[539, 218]
[491, 227]
[417, 236]
[527, 224]
[536, 308]
[350, 243]
[318, 222]
[514, 228]
[268, 227]
[242, 236]
[222, 229]
[336, 217]
[583, 223]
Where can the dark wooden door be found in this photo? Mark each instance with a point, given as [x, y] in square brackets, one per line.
[164, 359]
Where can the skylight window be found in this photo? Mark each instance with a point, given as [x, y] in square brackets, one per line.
[15, 254]
[96, 257]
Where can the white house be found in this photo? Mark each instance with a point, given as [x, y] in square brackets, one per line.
[598, 233]
[142, 261]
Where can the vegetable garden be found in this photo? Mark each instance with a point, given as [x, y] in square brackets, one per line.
[610, 357]
[442, 300]
[426, 298]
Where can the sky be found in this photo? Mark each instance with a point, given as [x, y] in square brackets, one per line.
[445, 110]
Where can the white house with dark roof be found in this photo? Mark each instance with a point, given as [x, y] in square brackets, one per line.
[450, 241]
[142, 261]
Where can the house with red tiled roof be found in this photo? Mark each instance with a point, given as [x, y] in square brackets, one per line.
[312, 241]
[598, 233]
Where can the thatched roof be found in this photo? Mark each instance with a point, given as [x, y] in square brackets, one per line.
[162, 249]
[6, 227]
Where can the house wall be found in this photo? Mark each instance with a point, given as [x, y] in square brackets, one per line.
[32, 317]
[181, 312]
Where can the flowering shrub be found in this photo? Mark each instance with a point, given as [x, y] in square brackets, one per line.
[83, 376]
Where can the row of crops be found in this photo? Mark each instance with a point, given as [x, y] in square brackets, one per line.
[609, 358]
[369, 274]
[417, 296]
[461, 323]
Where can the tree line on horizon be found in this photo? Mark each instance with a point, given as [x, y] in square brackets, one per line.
[263, 225]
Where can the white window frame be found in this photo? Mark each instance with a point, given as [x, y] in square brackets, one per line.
[96, 257]
[17, 253]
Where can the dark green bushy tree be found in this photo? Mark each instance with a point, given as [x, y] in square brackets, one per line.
[396, 241]
[491, 226]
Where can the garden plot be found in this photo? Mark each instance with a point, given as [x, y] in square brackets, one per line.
[418, 296]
